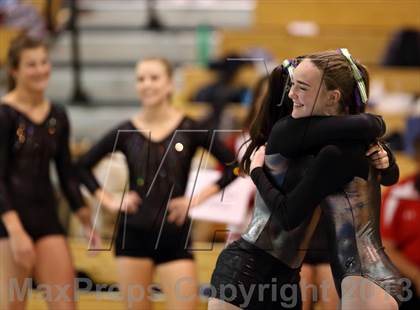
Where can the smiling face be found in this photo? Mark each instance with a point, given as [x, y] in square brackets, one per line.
[153, 84]
[309, 93]
[33, 70]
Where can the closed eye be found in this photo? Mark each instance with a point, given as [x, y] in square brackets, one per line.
[300, 86]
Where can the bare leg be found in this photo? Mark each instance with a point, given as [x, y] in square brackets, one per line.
[180, 284]
[217, 304]
[307, 285]
[135, 276]
[327, 294]
[361, 293]
[13, 280]
[54, 272]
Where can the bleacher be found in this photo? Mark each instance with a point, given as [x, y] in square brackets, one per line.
[6, 36]
[50, 10]
[364, 27]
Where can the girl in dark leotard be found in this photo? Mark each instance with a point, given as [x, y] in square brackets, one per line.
[159, 144]
[34, 132]
[275, 243]
[364, 276]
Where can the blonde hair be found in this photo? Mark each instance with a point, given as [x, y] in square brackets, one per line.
[166, 64]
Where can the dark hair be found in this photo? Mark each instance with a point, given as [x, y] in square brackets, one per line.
[168, 66]
[256, 98]
[17, 46]
[276, 105]
[338, 74]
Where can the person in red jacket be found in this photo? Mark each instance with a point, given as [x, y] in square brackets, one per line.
[400, 230]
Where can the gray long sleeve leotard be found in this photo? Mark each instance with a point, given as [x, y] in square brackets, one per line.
[284, 231]
[352, 211]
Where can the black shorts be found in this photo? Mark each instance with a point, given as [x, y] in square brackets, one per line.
[317, 257]
[250, 278]
[37, 226]
[318, 250]
[170, 246]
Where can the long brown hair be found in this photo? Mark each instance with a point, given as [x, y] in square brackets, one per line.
[337, 74]
[276, 105]
[259, 91]
[17, 46]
